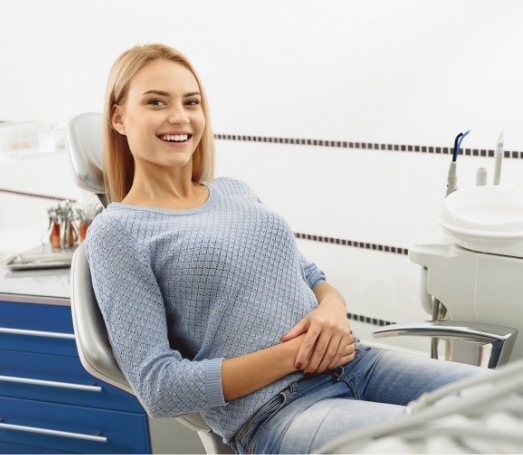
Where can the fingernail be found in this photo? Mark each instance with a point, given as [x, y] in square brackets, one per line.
[298, 366]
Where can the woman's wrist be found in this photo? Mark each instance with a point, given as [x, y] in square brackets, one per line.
[334, 302]
[289, 354]
[326, 294]
[250, 372]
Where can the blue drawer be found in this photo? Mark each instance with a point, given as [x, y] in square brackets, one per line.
[37, 328]
[72, 429]
[34, 376]
[15, 448]
[42, 342]
[33, 316]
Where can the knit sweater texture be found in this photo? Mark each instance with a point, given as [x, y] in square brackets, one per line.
[180, 290]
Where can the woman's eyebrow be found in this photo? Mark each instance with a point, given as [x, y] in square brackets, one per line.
[163, 93]
[156, 92]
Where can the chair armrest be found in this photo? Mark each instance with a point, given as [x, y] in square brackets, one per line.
[496, 342]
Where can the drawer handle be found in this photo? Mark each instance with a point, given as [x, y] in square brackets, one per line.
[37, 333]
[62, 434]
[63, 385]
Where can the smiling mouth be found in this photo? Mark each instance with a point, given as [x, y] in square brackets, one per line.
[175, 137]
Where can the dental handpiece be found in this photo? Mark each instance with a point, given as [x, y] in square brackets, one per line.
[498, 159]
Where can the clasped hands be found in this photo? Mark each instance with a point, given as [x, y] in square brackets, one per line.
[326, 339]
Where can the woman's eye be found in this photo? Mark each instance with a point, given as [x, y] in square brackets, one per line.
[156, 102]
[193, 102]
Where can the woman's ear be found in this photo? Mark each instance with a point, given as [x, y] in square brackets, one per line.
[117, 119]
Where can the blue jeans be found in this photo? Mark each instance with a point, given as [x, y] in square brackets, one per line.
[373, 388]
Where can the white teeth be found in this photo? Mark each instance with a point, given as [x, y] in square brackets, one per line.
[174, 137]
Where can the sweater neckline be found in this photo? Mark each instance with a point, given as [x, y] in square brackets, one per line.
[207, 205]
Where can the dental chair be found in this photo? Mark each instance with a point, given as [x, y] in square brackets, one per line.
[84, 147]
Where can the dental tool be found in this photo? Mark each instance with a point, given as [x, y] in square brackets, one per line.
[499, 157]
[452, 179]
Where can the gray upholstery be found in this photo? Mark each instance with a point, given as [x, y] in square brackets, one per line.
[89, 327]
[85, 144]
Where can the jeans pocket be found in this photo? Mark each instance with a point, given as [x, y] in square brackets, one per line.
[246, 437]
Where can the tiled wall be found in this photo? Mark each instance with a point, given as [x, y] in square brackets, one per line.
[356, 212]
[341, 114]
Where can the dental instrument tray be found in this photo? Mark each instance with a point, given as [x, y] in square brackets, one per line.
[488, 219]
[41, 257]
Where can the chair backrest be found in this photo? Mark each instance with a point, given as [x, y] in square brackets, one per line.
[84, 146]
[91, 338]
[84, 143]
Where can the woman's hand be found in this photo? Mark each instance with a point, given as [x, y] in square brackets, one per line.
[328, 341]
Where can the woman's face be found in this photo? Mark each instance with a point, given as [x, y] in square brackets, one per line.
[162, 116]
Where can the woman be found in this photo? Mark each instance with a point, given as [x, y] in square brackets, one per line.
[209, 305]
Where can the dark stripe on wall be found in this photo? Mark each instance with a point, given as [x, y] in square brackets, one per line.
[368, 320]
[367, 145]
[352, 243]
[35, 195]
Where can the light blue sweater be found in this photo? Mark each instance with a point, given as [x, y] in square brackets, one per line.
[182, 290]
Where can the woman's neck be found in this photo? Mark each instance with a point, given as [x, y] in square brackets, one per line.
[173, 192]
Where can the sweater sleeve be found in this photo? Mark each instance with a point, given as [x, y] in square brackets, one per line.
[313, 275]
[129, 297]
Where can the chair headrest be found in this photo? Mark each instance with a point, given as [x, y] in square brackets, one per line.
[84, 144]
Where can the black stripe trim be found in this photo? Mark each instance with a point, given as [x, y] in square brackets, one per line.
[438, 150]
[352, 243]
[368, 320]
[35, 195]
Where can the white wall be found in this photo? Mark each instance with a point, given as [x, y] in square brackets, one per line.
[402, 72]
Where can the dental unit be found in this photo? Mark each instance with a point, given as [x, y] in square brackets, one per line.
[471, 274]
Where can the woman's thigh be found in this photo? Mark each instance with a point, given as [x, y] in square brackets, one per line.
[398, 378]
[325, 420]
[369, 391]
[377, 389]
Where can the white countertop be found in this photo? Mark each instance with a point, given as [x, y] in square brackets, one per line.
[47, 285]
[50, 284]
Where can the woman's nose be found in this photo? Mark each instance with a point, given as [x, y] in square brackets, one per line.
[179, 117]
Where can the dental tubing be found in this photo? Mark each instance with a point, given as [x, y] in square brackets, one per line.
[452, 178]
[481, 175]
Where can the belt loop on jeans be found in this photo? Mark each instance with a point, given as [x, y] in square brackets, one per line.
[293, 388]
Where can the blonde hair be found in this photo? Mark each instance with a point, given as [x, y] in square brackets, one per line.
[118, 161]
